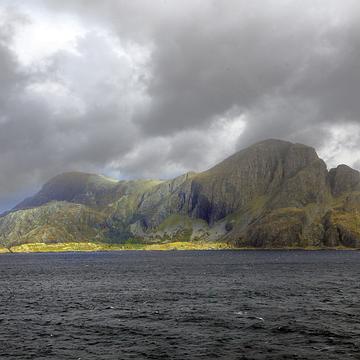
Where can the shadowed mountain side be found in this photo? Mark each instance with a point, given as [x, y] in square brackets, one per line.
[271, 194]
[81, 188]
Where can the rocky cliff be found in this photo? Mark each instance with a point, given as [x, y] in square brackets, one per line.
[272, 194]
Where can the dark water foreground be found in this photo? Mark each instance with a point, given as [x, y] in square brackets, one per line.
[181, 305]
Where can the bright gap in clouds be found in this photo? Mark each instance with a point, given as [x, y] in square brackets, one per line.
[44, 34]
[342, 146]
[72, 64]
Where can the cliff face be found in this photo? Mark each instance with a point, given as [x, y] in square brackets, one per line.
[272, 194]
[344, 179]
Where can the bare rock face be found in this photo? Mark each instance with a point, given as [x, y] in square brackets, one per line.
[235, 182]
[298, 157]
[308, 185]
[287, 174]
[267, 168]
[343, 179]
[272, 194]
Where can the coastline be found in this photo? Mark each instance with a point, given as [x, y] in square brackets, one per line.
[92, 246]
[178, 245]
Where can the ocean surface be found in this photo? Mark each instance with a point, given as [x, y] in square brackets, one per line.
[180, 305]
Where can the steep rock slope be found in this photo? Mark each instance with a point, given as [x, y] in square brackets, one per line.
[342, 221]
[241, 192]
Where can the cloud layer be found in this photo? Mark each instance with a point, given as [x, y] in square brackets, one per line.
[137, 89]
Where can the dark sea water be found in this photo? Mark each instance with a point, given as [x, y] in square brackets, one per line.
[181, 305]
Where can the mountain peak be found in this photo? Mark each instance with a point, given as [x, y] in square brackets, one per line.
[68, 186]
[271, 142]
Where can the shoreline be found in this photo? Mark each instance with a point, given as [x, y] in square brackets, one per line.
[171, 246]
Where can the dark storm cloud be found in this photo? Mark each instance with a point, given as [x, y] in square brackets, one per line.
[18, 135]
[322, 95]
[290, 69]
[200, 74]
[210, 56]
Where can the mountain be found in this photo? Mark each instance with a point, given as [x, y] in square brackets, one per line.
[271, 194]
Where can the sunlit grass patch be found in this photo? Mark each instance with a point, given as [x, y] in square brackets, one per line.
[59, 247]
[186, 245]
[89, 246]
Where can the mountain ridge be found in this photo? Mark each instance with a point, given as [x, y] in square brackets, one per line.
[272, 194]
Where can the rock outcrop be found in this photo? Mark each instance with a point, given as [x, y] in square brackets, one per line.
[344, 179]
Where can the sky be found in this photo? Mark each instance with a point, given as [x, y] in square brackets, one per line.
[153, 89]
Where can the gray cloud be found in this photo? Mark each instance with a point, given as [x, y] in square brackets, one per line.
[148, 88]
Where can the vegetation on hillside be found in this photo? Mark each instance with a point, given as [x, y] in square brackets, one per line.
[272, 194]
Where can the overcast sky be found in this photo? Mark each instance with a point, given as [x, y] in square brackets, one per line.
[141, 88]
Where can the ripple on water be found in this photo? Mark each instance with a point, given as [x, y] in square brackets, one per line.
[180, 305]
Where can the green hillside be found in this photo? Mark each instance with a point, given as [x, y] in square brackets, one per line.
[274, 194]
